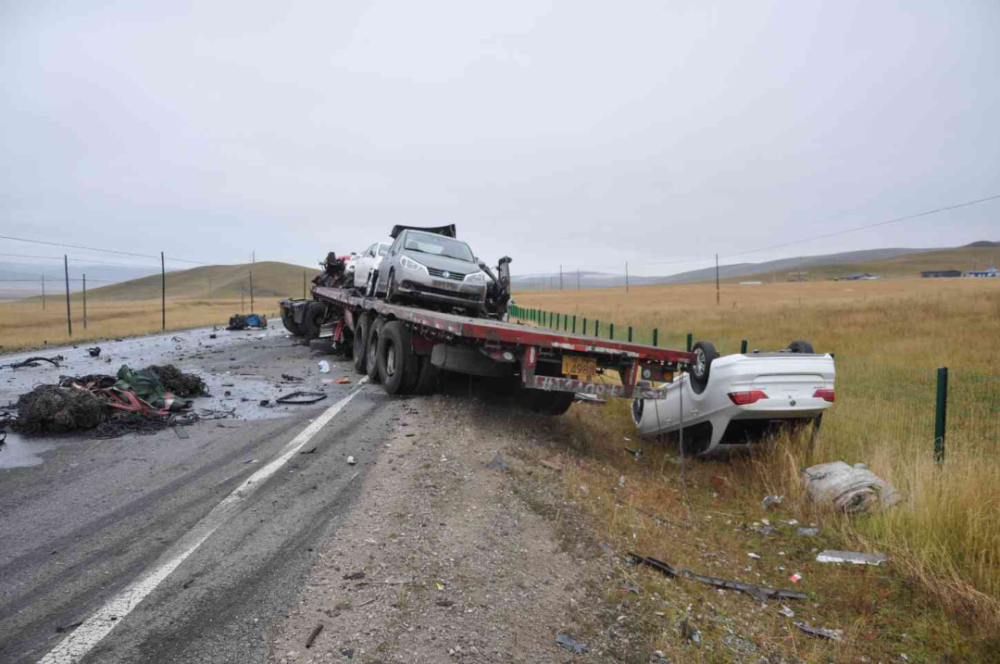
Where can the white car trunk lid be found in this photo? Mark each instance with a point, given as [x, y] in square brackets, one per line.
[787, 385]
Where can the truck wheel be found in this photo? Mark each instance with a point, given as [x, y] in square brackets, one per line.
[315, 315]
[360, 342]
[371, 350]
[547, 403]
[289, 323]
[428, 375]
[397, 364]
[704, 354]
[799, 346]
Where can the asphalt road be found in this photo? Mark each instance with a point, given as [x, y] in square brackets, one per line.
[95, 517]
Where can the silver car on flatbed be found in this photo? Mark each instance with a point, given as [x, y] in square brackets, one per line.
[430, 265]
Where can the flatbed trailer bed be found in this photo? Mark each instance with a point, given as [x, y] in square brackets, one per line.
[544, 361]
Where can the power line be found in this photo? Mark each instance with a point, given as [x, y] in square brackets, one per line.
[107, 251]
[88, 261]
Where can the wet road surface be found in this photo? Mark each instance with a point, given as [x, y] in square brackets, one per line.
[96, 516]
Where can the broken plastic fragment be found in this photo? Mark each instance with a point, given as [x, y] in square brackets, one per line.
[853, 557]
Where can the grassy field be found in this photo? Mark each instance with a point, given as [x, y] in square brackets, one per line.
[134, 307]
[889, 337]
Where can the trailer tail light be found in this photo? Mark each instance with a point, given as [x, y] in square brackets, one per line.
[746, 398]
[825, 395]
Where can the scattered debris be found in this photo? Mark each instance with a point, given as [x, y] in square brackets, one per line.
[787, 612]
[66, 628]
[181, 432]
[795, 578]
[33, 362]
[551, 465]
[311, 450]
[301, 398]
[350, 461]
[497, 463]
[760, 593]
[291, 379]
[688, 632]
[853, 557]
[324, 366]
[851, 489]
[342, 381]
[265, 403]
[802, 531]
[626, 589]
[755, 556]
[240, 322]
[589, 399]
[312, 637]
[832, 634]
[348, 652]
[636, 454]
[770, 501]
[95, 351]
[355, 576]
[569, 643]
[213, 336]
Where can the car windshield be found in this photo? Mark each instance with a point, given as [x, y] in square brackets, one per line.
[438, 245]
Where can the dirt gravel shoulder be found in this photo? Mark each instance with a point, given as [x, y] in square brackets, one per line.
[462, 558]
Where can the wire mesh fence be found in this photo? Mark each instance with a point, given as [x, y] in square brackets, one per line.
[894, 406]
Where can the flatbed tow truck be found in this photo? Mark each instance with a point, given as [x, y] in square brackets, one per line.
[406, 347]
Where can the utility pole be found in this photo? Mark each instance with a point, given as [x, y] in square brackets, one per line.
[69, 319]
[242, 300]
[560, 278]
[163, 290]
[717, 296]
[43, 292]
[626, 276]
[209, 287]
[303, 284]
[253, 261]
[578, 280]
[85, 300]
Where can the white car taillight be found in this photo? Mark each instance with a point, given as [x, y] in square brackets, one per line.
[746, 398]
[825, 395]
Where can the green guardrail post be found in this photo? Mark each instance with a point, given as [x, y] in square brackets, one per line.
[743, 346]
[584, 327]
[612, 331]
[597, 328]
[690, 341]
[941, 414]
[574, 323]
[630, 334]
[656, 336]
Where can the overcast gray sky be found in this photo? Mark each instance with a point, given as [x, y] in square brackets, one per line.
[577, 133]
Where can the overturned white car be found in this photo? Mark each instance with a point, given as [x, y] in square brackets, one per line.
[727, 403]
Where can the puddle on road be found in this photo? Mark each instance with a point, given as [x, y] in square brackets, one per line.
[21, 453]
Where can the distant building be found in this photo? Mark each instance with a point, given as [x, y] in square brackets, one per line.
[988, 272]
[940, 274]
[860, 276]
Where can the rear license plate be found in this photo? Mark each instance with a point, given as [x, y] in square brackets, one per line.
[576, 365]
[446, 285]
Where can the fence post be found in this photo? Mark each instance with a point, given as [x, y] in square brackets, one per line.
[85, 300]
[656, 336]
[163, 290]
[584, 327]
[611, 331]
[69, 318]
[743, 346]
[597, 328]
[574, 323]
[690, 341]
[630, 334]
[941, 414]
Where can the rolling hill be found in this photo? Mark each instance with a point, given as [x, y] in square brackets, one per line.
[270, 279]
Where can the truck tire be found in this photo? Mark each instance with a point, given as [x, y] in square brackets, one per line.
[427, 376]
[397, 363]
[315, 316]
[799, 346]
[371, 350]
[547, 403]
[289, 323]
[705, 354]
[361, 342]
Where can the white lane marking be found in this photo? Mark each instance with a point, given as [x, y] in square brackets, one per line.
[75, 646]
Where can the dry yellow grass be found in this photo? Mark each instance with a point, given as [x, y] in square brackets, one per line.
[26, 325]
[889, 336]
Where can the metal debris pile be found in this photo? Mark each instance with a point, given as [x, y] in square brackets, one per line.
[141, 402]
